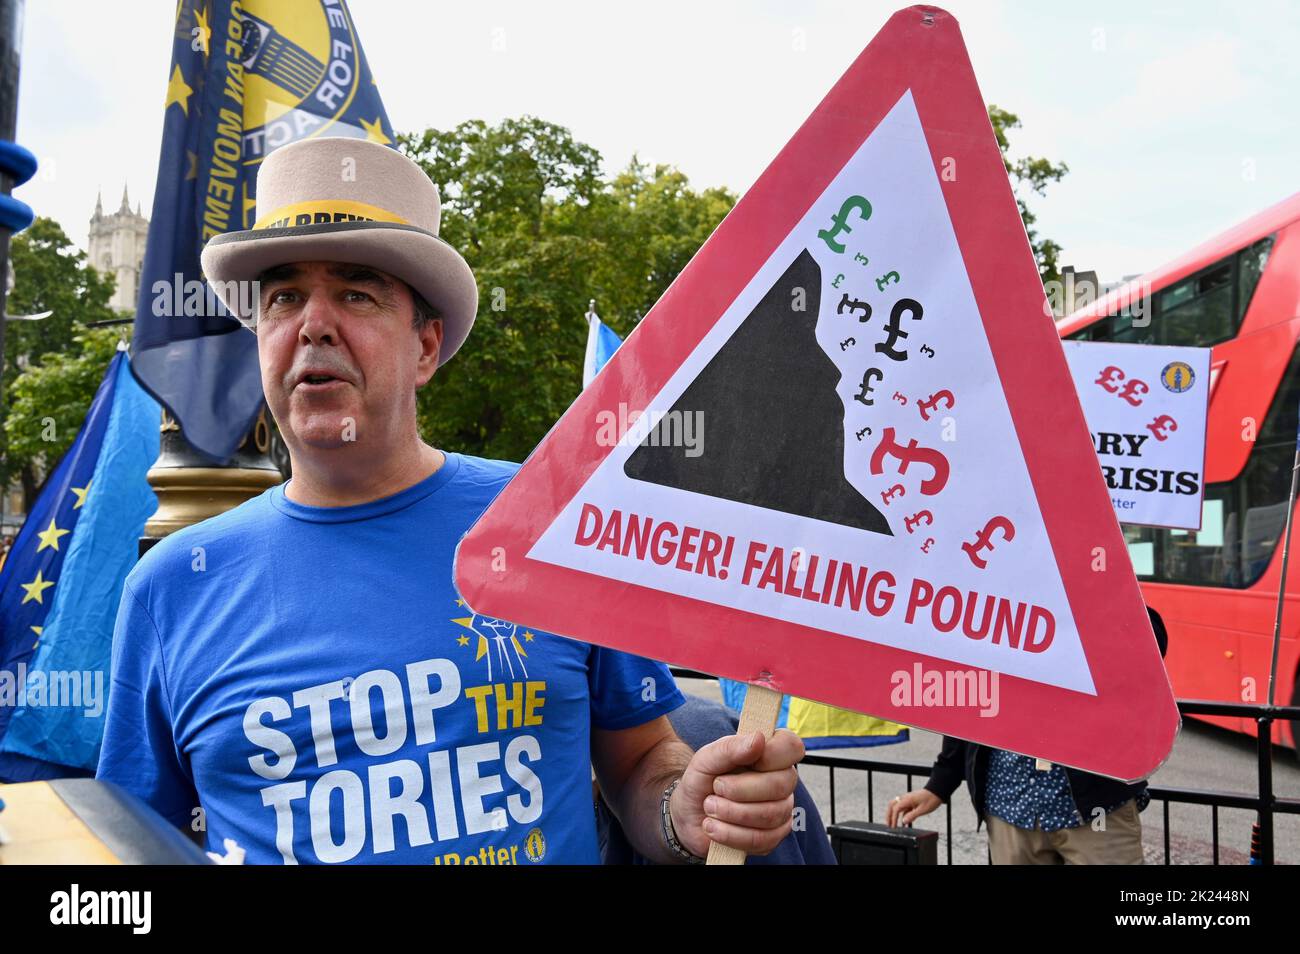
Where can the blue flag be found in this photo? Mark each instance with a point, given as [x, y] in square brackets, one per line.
[63, 578]
[58, 719]
[244, 80]
[602, 342]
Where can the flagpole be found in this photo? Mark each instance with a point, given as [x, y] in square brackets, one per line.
[1286, 554]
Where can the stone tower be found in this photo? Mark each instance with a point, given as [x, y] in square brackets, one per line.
[117, 248]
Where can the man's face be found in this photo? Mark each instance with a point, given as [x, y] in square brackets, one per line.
[340, 359]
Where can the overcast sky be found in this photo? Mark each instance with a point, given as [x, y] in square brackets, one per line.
[1176, 120]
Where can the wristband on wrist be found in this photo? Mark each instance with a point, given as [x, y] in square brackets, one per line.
[670, 833]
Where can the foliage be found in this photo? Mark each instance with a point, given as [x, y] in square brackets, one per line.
[1033, 173]
[545, 233]
[51, 274]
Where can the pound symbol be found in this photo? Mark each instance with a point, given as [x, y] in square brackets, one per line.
[929, 542]
[983, 539]
[844, 345]
[894, 328]
[852, 304]
[911, 522]
[932, 403]
[871, 374]
[840, 221]
[887, 279]
[1133, 391]
[927, 351]
[1161, 424]
[888, 447]
[894, 491]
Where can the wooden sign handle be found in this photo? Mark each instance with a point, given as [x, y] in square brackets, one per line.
[762, 706]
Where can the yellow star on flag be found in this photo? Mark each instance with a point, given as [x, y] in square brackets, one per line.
[192, 165]
[375, 132]
[202, 32]
[528, 637]
[462, 640]
[37, 630]
[178, 91]
[81, 494]
[50, 536]
[35, 588]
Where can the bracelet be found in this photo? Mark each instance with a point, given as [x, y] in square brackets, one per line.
[670, 833]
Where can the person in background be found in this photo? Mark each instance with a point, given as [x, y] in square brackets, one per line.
[1037, 813]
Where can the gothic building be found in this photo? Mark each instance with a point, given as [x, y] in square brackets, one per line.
[117, 248]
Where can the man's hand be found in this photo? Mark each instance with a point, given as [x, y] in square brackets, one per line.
[907, 808]
[738, 791]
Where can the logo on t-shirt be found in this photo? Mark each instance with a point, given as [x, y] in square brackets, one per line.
[499, 639]
[535, 845]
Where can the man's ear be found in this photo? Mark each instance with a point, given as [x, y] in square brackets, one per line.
[430, 337]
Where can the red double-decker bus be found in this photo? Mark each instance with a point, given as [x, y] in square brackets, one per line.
[1216, 588]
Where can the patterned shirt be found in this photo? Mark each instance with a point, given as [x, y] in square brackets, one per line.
[1022, 795]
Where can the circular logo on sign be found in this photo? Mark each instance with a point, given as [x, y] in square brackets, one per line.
[535, 845]
[1177, 376]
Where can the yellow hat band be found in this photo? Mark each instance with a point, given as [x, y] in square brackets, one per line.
[324, 212]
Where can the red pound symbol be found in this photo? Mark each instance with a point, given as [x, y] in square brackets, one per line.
[907, 456]
[898, 396]
[1134, 390]
[1110, 378]
[894, 491]
[1161, 424]
[983, 542]
[931, 403]
[929, 542]
[911, 522]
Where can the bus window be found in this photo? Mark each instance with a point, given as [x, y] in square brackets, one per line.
[1251, 262]
[1242, 519]
[1198, 310]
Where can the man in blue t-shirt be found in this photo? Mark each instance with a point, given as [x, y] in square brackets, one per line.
[299, 674]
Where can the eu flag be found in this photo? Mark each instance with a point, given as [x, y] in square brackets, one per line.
[54, 722]
[34, 572]
[245, 79]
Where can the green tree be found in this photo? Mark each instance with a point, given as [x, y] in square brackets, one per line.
[545, 233]
[51, 274]
[1033, 173]
[49, 400]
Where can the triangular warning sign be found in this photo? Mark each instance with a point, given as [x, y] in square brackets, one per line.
[843, 455]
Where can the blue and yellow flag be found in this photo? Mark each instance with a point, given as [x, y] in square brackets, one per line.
[245, 79]
[58, 717]
[819, 725]
[60, 587]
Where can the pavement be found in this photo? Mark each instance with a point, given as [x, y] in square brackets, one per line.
[1204, 757]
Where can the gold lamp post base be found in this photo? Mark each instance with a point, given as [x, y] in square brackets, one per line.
[190, 489]
[187, 495]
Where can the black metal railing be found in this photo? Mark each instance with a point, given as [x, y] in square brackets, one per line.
[1264, 802]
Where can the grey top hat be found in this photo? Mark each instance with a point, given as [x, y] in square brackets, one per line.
[347, 200]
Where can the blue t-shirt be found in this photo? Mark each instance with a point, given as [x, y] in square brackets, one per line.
[312, 679]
